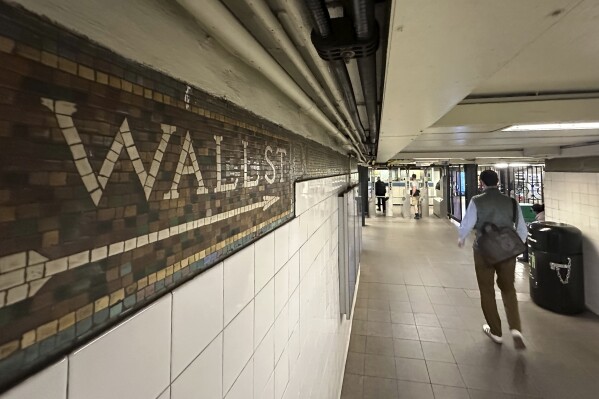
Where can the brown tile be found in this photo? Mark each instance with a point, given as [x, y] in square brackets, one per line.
[6, 45]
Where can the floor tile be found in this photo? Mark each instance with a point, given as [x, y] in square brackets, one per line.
[426, 319]
[400, 306]
[380, 388]
[379, 346]
[437, 351]
[408, 348]
[446, 392]
[411, 370]
[354, 363]
[402, 298]
[403, 318]
[379, 329]
[353, 386]
[379, 315]
[444, 374]
[434, 334]
[357, 343]
[414, 390]
[405, 331]
[379, 366]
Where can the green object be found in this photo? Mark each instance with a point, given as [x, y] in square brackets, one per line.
[528, 213]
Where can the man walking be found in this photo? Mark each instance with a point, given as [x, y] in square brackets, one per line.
[415, 194]
[380, 190]
[492, 206]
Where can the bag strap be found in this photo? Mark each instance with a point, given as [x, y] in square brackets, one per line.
[515, 212]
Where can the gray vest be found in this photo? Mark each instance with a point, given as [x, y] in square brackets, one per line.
[494, 207]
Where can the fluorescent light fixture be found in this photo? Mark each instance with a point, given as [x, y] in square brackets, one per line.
[553, 126]
[501, 165]
[518, 165]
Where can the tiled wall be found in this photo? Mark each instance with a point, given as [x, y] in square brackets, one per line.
[573, 198]
[117, 184]
[264, 323]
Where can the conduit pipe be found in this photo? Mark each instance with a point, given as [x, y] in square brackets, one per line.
[293, 17]
[270, 22]
[216, 19]
[363, 12]
[322, 24]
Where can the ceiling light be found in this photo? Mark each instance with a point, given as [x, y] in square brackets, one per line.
[501, 165]
[552, 126]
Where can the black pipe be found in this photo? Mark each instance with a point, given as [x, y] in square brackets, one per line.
[364, 24]
[322, 25]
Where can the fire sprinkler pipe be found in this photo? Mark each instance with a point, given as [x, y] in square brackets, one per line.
[216, 19]
[270, 22]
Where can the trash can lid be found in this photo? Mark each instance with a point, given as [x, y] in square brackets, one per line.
[555, 237]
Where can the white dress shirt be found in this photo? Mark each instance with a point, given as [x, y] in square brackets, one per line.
[469, 221]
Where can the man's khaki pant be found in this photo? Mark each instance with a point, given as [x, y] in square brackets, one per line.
[485, 275]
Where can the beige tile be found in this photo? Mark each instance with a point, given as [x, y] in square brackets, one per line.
[403, 318]
[380, 388]
[408, 348]
[444, 374]
[379, 346]
[434, 334]
[353, 386]
[414, 390]
[379, 315]
[379, 366]
[411, 370]
[354, 363]
[447, 392]
[357, 343]
[426, 319]
[437, 351]
[404, 331]
[379, 329]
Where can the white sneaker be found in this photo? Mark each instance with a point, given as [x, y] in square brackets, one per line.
[518, 340]
[495, 338]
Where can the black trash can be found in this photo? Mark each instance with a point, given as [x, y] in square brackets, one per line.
[556, 268]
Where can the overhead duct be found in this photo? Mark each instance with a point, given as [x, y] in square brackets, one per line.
[214, 17]
[367, 31]
[322, 36]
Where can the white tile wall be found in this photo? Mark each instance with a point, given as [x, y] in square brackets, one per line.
[238, 345]
[265, 312]
[243, 388]
[203, 378]
[573, 198]
[50, 383]
[197, 317]
[239, 282]
[264, 363]
[129, 361]
[166, 394]
[265, 261]
[225, 341]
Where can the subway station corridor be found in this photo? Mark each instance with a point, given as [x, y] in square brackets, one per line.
[417, 326]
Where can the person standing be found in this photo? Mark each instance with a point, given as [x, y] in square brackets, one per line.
[415, 194]
[492, 206]
[380, 190]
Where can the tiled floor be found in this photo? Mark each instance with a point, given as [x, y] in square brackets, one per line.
[417, 327]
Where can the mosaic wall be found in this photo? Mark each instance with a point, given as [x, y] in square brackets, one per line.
[116, 184]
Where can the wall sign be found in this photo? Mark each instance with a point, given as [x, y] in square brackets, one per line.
[116, 184]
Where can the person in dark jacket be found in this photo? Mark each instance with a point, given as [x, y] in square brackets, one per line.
[380, 190]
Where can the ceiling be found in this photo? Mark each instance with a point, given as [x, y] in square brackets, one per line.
[454, 73]
[458, 72]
